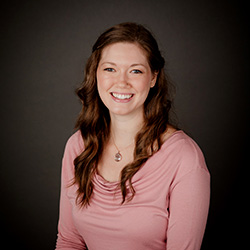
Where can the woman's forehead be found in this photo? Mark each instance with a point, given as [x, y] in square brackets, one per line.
[124, 53]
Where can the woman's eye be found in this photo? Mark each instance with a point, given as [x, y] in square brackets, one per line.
[109, 69]
[136, 71]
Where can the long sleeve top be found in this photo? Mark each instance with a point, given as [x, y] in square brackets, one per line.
[169, 210]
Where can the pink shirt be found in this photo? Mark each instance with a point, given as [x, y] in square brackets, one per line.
[169, 210]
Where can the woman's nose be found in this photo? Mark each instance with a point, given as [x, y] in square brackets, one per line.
[123, 79]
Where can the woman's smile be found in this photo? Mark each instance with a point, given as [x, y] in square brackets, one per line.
[121, 97]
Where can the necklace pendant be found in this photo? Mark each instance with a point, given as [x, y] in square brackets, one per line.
[118, 157]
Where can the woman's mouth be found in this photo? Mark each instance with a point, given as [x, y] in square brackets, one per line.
[121, 96]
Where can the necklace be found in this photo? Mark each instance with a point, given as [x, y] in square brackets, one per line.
[118, 155]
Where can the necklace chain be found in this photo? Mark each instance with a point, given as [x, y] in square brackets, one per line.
[118, 155]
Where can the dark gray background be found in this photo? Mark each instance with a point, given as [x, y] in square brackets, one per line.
[44, 47]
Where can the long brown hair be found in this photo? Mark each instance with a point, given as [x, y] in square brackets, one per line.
[94, 118]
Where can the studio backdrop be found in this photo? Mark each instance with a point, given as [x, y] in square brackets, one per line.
[44, 47]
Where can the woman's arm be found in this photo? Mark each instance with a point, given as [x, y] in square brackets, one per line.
[189, 203]
[68, 237]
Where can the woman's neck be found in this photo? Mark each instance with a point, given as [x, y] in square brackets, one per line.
[124, 129]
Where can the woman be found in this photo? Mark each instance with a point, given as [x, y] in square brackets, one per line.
[130, 180]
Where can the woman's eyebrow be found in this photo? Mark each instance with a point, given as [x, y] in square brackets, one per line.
[137, 64]
[108, 63]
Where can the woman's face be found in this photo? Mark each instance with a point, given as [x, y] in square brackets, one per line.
[124, 78]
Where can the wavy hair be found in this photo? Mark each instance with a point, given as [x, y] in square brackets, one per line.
[94, 118]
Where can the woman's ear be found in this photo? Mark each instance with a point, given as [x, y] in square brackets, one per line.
[154, 79]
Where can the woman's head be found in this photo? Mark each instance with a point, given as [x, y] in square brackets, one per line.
[132, 35]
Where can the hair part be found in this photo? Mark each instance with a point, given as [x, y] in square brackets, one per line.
[94, 118]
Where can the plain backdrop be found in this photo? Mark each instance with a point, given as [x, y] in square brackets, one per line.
[44, 47]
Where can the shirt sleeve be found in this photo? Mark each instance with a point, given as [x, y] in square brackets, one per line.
[188, 208]
[68, 237]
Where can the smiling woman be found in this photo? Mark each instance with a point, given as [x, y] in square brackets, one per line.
[130, 179]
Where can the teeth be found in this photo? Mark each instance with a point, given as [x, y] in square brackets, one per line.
[121, 96]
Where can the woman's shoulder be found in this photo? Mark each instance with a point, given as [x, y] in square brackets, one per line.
[180, 140]
[185, 151]
[75, 143]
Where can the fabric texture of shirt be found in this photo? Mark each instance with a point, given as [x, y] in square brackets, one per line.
[169, 210]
